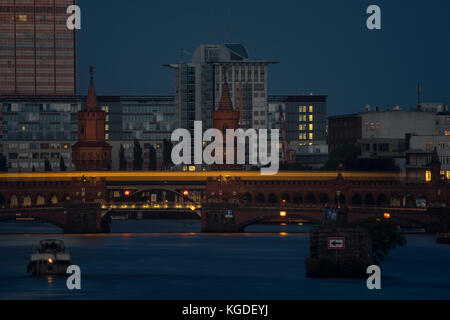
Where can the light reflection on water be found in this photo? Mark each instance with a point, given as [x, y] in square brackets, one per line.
[186, 264]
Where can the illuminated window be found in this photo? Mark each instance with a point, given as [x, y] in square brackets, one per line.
[107, 117]
[447, 132]
[311, 109]
[311, 117]
[105, 108]
[107, 136]
[427, 175]
[23, 17]
[106, 127]
[24, 128]
[448, 175]
[310, 136]
[191, 168]
[311, 127]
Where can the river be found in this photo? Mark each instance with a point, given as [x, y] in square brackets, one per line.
[267, 262]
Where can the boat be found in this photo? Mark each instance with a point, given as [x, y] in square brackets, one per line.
[51, 258]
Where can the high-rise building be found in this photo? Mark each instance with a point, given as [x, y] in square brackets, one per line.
[37, 50]
[198, 85]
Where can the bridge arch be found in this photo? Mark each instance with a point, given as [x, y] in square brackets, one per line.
[356, 199]
[408, 201]
[45, 218]
[273, 199]
[40, 200]
[298, 198]
[13, 201]
[285, 198]
[162, 194]
[369, 199]
[310, 198]
[27, 202]
[395, 200]
[260, 198]
[382, 200]
[258, 219]
[396, 218]
[54, 199]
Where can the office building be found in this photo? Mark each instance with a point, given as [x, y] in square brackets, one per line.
[198, 85]
[35, 128]
[37, 51]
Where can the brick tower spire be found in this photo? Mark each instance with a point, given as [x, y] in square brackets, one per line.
[91, 152]
[225, 117]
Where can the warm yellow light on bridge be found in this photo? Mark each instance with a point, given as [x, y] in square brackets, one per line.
[283, 213]
[387, 215]
[193, 208]
[50, 260]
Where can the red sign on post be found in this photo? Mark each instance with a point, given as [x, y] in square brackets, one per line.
[336, 243]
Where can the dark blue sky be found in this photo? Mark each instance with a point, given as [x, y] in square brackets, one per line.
[322, 46]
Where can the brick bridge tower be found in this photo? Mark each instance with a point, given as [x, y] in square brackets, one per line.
[91, 152]
[226, 117]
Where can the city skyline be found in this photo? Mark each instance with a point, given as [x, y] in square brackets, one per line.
[353, 65]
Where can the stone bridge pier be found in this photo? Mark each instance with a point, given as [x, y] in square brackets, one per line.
[84, 218]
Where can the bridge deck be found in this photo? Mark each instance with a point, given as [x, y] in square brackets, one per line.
[194, 176]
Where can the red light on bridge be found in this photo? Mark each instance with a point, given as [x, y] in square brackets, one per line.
[126, 193]
[185, 193]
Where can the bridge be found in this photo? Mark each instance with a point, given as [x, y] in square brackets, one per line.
[226, 200]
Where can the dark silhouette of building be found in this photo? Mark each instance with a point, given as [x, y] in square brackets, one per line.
[343, 129]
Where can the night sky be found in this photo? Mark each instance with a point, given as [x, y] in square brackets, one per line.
[322, 47]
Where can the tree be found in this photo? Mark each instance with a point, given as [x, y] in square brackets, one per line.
[62, 164]
[151, 158]
[385, 237]
[137, 159]
[122, 161]
[3, 163]
[47, 165]
[167, 153]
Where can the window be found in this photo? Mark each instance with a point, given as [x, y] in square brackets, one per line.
[311, 117]
[311, 127]
[311, 136]
[311, 109]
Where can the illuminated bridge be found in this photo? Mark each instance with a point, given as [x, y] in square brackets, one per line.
[226, 200]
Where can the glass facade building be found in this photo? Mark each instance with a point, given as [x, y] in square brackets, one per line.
[306, 118]
[36, 128]
[37, 51]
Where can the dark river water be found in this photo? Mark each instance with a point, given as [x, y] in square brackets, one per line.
[267, 262]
